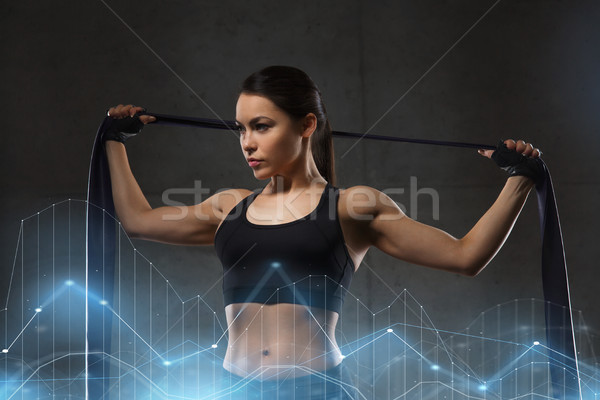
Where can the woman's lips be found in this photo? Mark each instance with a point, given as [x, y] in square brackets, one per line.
[254, 163]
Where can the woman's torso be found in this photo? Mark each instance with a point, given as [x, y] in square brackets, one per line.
[266, 339]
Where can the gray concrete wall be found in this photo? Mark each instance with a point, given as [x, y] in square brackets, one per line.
[463, 70]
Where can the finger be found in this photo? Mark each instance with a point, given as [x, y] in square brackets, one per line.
[486, 153]
[510, 144]
[528, 150]
[146, 119]
[118, 113]
[521, 146]
[536, 153]
[127, 110]
[135, 109]
[123, 110]
[138, 109]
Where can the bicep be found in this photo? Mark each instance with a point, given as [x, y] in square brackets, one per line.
[396, 234]
[186, 225]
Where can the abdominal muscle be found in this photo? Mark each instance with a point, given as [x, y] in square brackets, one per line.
[280, 340]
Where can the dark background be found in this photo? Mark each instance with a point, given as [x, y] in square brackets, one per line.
[473, 71]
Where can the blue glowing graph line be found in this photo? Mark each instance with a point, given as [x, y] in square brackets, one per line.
[87, 228]
[350, 353]
[492, 379]
[19, 238]
[198, 298]
[159, 272]
[22, 330]
[14, 266]
[308, 371]
[36, 371]
[179, 352]
[155, 269]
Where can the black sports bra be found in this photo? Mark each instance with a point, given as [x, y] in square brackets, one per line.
[304, 261]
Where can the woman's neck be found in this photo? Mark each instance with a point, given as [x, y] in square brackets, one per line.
[300, 177]
[283, 184]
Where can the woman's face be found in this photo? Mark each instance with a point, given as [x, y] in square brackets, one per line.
[271, 141]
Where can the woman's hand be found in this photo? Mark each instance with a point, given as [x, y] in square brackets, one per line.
[518, 159]
[121, 111]
[520, 146]
[125, 122]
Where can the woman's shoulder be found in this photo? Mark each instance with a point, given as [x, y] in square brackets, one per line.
[358, 193]
[358, 199]
[221, 203]
[233, 192]
[364, 201]
[226, 199]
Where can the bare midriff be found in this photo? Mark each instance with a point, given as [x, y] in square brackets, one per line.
[271, 341]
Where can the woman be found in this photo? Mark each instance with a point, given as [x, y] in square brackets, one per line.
[290, 250]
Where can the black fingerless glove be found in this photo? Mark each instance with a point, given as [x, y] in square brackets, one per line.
[122, 129]
[517, 164]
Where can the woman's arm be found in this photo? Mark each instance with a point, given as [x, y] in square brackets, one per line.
[187, 225]
[396, 234]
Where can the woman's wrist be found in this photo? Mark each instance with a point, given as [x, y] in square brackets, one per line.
[113, 149]
[111, 145]
[520, 183]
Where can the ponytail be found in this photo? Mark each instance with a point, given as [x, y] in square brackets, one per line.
[322, 151]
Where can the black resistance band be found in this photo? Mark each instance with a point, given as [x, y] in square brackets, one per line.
[101, 252]
[163, 119]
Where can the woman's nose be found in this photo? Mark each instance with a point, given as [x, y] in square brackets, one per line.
[248, 143]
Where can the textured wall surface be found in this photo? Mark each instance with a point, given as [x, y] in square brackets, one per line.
[460, 70]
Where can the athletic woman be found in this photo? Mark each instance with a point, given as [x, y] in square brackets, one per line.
[289, 250]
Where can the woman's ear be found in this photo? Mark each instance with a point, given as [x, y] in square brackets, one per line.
[309, 125]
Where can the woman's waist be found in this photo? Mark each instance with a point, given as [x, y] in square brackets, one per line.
[279, 322]
[273, 361]
[266, 338]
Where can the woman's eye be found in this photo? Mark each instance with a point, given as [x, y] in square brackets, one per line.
[261, 127]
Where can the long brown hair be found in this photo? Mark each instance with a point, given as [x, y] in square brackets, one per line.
[292, 90]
